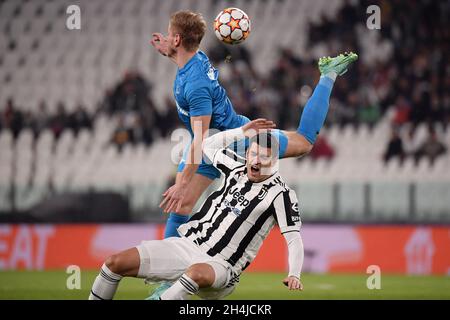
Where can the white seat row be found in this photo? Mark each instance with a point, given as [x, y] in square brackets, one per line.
[118, 32]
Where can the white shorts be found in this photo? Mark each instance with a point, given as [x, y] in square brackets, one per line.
[168, 259]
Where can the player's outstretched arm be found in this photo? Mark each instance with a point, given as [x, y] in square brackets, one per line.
[174, 196]
[161, 44]
[223, 139]
[288, 218]
[296, 255]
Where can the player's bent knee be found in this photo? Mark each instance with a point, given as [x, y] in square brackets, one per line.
[115, 263]
[302, 146]
[304, 150]
[298, 146]
[202, 274]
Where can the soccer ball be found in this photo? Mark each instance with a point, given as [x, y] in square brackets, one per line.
[232, 26]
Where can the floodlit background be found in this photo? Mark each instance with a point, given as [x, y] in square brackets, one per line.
[86, 118]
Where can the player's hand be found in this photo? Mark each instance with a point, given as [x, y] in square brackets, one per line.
[293, 283]
[173, 199]
[253, 127]
[160, 43]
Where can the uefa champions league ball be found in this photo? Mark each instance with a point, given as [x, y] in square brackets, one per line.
[232, 26]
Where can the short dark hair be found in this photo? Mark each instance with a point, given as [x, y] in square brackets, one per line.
[266, 140]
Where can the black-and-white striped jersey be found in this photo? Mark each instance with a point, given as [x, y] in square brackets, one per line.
[234, 220]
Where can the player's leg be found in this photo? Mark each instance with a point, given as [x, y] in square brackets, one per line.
[291, 143]
[200, 275]
[117, 266]
[211, 276]
[300, 142]
[296, 145]
[313, 117]
[199, 183]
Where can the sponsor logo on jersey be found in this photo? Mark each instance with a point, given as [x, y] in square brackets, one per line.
[234, 210]
[295, 214]
[211, 74]
[239, 197]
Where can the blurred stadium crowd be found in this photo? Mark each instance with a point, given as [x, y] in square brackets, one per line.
[130, 99]
[393, 104]
[410, 77]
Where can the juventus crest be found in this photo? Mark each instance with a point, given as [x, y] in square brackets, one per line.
[263, 193]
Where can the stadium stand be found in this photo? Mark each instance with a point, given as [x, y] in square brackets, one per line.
[91, 110]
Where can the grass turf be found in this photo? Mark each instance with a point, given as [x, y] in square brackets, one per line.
[255, 286]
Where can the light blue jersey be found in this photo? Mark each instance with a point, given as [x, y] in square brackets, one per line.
[197, 92]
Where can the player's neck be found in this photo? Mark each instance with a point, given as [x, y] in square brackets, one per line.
[183, 57]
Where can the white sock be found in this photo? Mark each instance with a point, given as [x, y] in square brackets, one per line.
[181, 289]
[332, 75]
[105, 285]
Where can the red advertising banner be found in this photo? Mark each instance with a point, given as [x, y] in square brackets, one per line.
[328, 248]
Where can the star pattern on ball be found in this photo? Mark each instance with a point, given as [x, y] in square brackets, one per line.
[234, 24]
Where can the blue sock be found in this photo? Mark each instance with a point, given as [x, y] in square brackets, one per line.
[173, 222]
[316, 109]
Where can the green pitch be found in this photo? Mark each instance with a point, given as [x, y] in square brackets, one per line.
[52, 285]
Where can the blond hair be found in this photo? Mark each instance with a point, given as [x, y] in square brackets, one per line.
[190, 26]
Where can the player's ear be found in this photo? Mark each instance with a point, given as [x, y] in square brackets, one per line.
[177, 40]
